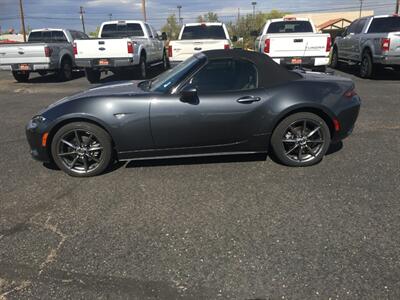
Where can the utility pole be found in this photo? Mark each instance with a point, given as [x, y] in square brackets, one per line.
[83, 21]
[21, 10]
[361, 5]
[144, 10]
[397, 7]
[238, 19]
[110, 16]
[254, 9]
[179, 14]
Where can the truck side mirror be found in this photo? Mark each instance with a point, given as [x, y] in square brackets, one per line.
[164, 36]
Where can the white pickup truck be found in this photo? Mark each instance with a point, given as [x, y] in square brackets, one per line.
[294, 42]
[121, 46]
[47, 50]
[198, 37]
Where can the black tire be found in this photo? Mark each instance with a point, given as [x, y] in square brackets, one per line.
[142, 67]
[21, 76]
[93, 76]
[165, 65]
[335, 59]
[294, 146]
[65, 71]
[42, 73]
[367, 68]
[72, 154]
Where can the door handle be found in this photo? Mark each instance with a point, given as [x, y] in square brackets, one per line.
[248, 99]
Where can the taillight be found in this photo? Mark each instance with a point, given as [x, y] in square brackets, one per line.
[267, 45]
[75, 49]
[328, 44]
[48, 51]
[350, 93]
[169, 51]
[130, 47]
[385, 44]
[336, 124]
[227, 47]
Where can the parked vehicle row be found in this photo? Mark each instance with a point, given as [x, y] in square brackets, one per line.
[47, 50]
[121, 46]
[370, 42]
[294, 42]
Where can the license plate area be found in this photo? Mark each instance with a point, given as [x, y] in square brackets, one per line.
[24, 67]
[296, 61]
[104, 62]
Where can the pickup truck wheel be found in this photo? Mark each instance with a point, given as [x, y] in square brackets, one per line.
[21, 76]
[166, 64]
[335, 59]
[93, 76]
[42, 73]
[65, 72]
[367, 66]
[143, 67]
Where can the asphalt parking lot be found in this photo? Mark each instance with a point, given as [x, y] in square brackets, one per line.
[207, 228]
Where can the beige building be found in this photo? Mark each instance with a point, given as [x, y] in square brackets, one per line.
[326, 17]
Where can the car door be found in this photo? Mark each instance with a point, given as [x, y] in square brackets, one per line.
[227, 110]
[159, 44]
[151, 47]
[345, 49]
[355, 40]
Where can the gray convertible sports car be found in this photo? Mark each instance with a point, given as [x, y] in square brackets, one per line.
[215, 103]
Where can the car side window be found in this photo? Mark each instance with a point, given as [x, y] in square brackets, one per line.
[360, 25]
[352, 27]
[226, 75]
[156, 36]
[149, 30]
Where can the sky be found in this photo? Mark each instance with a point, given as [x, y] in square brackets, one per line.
[65, 13]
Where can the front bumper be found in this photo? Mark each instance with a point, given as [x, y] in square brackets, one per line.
[112, 62]
[34, 133]
[305, 61]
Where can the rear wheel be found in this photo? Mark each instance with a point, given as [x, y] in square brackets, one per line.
[42, 73]
[82, 149]
[93, 76]
[21, 76]
[301, 139]
[335, 58]
[166, 64]
[65, 71]
[143, 67]
[367, 66]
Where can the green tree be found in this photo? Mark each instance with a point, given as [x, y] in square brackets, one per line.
[247, 23]
[208, 17]
[172, 28]
[95, 33]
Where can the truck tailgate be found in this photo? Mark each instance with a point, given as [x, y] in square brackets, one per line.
[102, 48]
[23, 53]
[181, 50]
[301, 45]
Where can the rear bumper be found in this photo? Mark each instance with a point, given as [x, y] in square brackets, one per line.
[347, 118]
[112, 62]
[387, 60]
[305, 61]
[31, 67]
[34, 133]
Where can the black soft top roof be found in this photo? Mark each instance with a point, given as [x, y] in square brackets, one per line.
[269, 72]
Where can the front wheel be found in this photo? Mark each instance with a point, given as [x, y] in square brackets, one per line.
[335, 59]
[21, 76]
[367, 66]
[143, 67]
[82, 149]
[301, 140]
[65, 71]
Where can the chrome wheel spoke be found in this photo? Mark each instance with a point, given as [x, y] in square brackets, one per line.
[67, 153]
[315, 141]
[300, 157]
[78, 141]
[292, 149]
[313, 132]
[85, 163]
[68, 143]
[94, 158]
[289, 141]
[95, 148]
[310, 151]
[71, 166]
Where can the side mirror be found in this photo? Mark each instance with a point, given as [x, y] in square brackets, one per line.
[189, 95]
[254, 33]
[164, 36]
[234, 39]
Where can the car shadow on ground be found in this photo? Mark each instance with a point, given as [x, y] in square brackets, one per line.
[130, 75]
[51, 77]
[380, 74]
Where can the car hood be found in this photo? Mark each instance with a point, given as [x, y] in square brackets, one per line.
[110, 89]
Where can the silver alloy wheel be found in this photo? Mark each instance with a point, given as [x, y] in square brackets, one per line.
[303, 140]
[80, 151]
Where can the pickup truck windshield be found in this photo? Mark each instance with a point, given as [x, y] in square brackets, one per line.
[380, 25]
[122, 30]
[202, 32]
[169, 79]
[290, 27]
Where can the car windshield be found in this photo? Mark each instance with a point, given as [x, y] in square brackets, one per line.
[380, 25]
[122, 30]
[169, 79]
[290, 27]
[202, 32]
